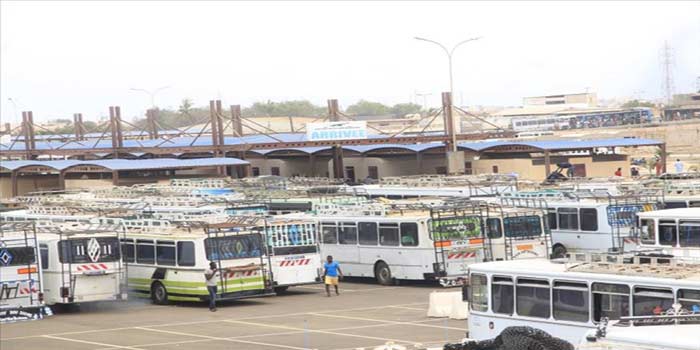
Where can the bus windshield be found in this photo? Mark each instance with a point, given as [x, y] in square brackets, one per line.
[456, 228]
[522, 226]
[89, 250]
[233, 247]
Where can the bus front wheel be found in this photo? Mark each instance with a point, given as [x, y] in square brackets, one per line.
[383, 274]
[159, 294]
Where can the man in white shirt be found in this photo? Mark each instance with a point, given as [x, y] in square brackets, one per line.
[679, 166]
[211, 276]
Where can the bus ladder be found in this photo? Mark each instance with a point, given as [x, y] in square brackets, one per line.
[440, 265]
[537, 203]
[639, 201]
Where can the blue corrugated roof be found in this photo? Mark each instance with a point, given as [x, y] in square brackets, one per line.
[554, 145]
[125, 164]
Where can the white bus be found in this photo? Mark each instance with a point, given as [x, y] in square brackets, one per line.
[569, 299]
[167, 263]
[293, 251]
[589, 224]
[670, 231]
[81, 264]
[417, 242]
[21, 294]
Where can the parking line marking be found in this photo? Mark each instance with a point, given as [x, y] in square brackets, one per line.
[224, 339]
[111, 346]
[213, 321]
[415, 323]
[408, 308]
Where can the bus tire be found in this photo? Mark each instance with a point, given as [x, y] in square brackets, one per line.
[281, 289]
[159, 294]
[383, 274]
[559, 251]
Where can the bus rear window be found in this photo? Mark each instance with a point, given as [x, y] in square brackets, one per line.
[479, 297]
[522, 226]
[455, 228]
[14, 256]
[233, 247]
[89, 250]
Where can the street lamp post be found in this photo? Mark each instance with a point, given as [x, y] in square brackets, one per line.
[449, 53]
[152, 93]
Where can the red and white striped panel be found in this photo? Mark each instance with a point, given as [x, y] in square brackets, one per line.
[460, 255]
[92, 267]
[297, 262]
[234, 274]
[26, 290]
[630, 240]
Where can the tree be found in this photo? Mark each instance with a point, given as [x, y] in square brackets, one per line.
[637, 103]
[295, 108]
[402, 109]
[363, 107]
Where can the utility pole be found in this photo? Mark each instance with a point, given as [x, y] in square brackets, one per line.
[667, 63]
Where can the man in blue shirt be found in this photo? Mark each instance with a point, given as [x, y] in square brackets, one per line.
[331, 273]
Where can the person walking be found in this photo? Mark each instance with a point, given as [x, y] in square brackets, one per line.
[211, 276]
[618, 172]
[331, 273]
[679, 166]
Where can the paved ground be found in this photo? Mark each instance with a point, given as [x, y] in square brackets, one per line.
[365, 315]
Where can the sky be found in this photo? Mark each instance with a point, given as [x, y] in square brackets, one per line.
[59, 58]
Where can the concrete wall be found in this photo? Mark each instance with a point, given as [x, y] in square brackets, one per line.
[26, 184]
[533, 168]
[291, 166]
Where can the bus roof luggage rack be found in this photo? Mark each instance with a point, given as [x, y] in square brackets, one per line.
[635, 265]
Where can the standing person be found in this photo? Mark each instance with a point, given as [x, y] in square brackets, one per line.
[211, 276]
[331, 273]
[679, 166]
[618, 172]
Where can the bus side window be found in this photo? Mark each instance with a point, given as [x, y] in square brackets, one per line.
[44, 252]
[689, 235]
[367, 232]
[667, 233]
[409, 234]
[347, 233]
[532, 298]
[610, 300]
[128, 253]
[502, 295]
[689, 299]
[694, 204]
[479, 298]
[165, 253]
[570, 301]
[145, 252]
[493, 228]
[552, 217]
[652, 301]
[185, 253]
[329, 233]
[389, 234]
[568, 218]
[648, 231]
[589, 219]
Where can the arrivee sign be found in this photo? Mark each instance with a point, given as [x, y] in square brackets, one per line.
[336, 131]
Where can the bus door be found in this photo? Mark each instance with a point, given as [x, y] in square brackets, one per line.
[90, 270]
[458, 242]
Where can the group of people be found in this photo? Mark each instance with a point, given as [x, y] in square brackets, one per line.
[634, 171]
[331, 275]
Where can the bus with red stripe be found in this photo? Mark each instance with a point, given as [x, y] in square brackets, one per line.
[81, 264]
[294, 253]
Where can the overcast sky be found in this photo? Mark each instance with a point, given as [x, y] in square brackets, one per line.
[58, 58]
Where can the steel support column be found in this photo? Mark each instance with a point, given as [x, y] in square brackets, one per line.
[236, 123]
[662, 149]
[333, 111]
[547, 164]
[13, 180]
[115, 177]
[338, 168]
[312, 165]
[61, 180]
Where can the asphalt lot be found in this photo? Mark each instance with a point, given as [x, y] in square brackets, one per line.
[365, 315]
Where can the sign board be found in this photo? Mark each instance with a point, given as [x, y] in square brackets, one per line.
[336, 131]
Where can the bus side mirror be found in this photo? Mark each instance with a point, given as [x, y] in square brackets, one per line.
[466, 292]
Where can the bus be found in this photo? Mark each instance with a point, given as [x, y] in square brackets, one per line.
[81, 264]
[567, 299]
[594, 224]
[21, 295]
[167, 263]
[293, 251]
[415, 241]
[670, 231]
